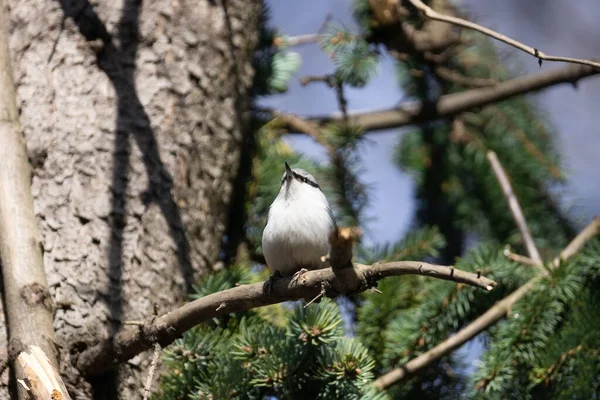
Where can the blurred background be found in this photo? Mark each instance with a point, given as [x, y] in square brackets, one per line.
[557, 27]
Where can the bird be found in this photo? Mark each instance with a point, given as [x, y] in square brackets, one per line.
[299, 225]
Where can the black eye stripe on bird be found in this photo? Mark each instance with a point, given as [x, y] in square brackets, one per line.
[304, 179]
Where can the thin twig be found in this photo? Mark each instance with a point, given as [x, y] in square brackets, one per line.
[152, 370]
[432, 14]
[163, 330]
[297, 40]
[591, 230]
[490, 317]
[515, 209]
[518, 258]
[133, 322]
[322, 293]
[329, 80]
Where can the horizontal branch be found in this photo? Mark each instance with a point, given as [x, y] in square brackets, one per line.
[432, 14]
[296, 40]
[165, 329]
[487, 319]
[448, 105]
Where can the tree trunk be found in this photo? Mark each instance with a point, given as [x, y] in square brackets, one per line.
[133, 118]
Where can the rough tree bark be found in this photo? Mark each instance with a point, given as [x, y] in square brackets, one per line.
[133, 117]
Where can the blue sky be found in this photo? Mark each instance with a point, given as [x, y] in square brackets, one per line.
[556, 27]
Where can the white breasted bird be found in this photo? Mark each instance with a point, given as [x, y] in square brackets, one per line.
[299, 224]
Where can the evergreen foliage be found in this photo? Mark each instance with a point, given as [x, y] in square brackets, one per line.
[248, 356]
[511, 128]
[547, 346]
[547, 337]
[274, 62]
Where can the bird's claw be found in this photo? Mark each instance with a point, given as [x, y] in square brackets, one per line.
[268, 285]
[297, 275]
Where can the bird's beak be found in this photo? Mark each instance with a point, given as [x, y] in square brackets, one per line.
[288, 170]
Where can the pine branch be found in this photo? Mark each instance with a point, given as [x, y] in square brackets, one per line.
[165, 329]
[416, 112]
[434, 15]
[515, 208]
[490, 317]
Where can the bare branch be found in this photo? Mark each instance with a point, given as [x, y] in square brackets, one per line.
[296, 124]
[165, 329]
[515, 209]
[591, 230]
[519, 258]
[26, 296]
[434, 15]
[490, 317]
[296, 40]
[448, 105]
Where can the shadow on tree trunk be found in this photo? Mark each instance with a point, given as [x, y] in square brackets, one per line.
[132, 123]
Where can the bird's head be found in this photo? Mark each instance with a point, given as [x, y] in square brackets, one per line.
[296, 181]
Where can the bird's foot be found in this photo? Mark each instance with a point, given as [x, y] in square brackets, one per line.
[297, 275]
[268, 285]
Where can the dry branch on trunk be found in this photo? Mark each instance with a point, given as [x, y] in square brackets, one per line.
[26, 296]
[42, 379]
[167, 328]
[451, 104]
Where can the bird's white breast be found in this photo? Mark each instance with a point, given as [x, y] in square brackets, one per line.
[297, 231]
